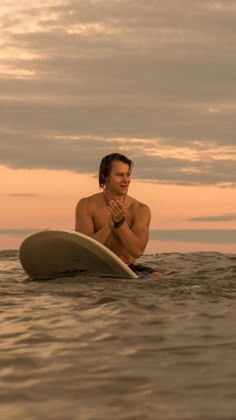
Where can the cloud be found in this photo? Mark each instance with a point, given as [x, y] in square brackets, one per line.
[153, 160]
[105, 71]
[23, 195]
[220, 236]
[220, 218]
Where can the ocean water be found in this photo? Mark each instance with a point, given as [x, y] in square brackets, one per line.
[149, 348]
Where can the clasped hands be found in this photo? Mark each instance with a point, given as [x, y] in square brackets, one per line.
[117, 211]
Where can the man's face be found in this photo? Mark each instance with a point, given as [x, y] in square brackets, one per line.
[119, 179]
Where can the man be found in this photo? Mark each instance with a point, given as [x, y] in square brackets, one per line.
[112, 217]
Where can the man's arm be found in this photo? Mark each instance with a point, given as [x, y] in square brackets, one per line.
[135, 238]
[84, 222]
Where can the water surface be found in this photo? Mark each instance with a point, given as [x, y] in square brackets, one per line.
[148, 348]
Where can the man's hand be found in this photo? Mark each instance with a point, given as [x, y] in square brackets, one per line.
[117, 210]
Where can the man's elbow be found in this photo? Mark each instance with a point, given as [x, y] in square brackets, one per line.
[137, 252]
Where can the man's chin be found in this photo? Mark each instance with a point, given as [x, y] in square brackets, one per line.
[123, 191]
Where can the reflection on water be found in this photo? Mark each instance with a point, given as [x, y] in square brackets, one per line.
[149, 348]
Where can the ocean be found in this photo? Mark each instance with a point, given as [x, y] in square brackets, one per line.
[149, 348]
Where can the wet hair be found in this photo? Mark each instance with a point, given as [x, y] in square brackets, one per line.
[106, 165]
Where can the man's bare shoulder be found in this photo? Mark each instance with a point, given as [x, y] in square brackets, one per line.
[92, 199]
[138, 205]
[140, 214]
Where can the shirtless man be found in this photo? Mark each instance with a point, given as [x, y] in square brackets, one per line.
[112, 217]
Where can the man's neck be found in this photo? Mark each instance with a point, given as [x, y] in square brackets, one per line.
[111, 196]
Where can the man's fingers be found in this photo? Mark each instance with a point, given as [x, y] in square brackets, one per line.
[116, 204]
[116, 209]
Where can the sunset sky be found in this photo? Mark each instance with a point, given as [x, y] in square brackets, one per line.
[154, 80]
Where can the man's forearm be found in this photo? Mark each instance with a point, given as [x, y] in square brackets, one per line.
[102, 234]
[130, 241]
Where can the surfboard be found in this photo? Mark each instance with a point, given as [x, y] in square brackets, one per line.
[51, 253]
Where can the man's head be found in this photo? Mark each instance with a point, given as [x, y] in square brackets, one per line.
[107, 165]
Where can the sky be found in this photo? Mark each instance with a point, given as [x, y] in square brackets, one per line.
[154, 80]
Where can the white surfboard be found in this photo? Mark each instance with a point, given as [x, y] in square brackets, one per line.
[51, 253]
